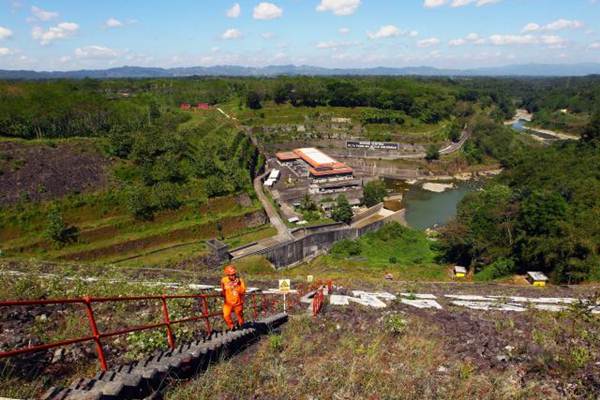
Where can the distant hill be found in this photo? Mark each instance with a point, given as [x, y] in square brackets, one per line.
[532, 70]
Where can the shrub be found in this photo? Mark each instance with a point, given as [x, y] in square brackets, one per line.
[57, 230]
[139, 203]
[395, 325]
[433, 153]
[346, 248]
[342, 211]
[498, 269]
[374, 193]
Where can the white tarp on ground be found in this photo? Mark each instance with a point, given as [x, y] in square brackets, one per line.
[338, 300]
[550, 307]
[468, 297]
[547, 300]
[367, 300]
[423, 296]
[379, 295]
[422, 303]
[487, 305]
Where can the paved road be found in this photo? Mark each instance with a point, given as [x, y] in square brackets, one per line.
[282, 231]
[453, 147]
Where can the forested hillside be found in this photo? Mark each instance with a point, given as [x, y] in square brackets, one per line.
[542, 213]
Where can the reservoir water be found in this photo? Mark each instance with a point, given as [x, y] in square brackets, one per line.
[425, 209]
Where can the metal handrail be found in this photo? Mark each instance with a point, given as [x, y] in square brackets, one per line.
[96, 335]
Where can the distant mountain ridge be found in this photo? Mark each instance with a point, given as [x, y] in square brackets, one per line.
[532, 70]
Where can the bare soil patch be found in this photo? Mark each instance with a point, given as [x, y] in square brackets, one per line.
[40, 172]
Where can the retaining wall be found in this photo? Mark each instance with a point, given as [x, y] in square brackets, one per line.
[298, 250]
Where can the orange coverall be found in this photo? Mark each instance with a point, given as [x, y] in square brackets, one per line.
[233, 292]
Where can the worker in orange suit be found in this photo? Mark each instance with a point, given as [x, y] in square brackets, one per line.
[233, 290]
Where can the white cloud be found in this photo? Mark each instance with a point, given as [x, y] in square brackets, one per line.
[5, 33]
[231, 34]
[478, 3]
[413, 33]
[113, 23]
[554, 41]
[4, 51]
[267, 35]
[434, 3]
[60, 31]
[234, 11]
[531, 27]
[344, 31]
[502, 40]
[95, 52]
[458, 3]
[594, 46]
[267, 11]
[471, 38]
[564, 24]
[385, 32]
[334, 45]
[428, 42]
[457, 42]
[339, 7]
[558, 25]
[42, 15]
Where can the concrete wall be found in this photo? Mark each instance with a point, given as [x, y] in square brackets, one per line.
[313, 244]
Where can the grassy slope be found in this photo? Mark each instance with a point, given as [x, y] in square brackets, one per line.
[415, 260]
[353, 352]
[104, 222]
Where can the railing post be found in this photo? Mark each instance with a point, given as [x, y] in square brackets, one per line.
[167, 319]
[90, 314]
[205, 314]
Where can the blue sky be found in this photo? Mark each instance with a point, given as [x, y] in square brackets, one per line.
[72, 34]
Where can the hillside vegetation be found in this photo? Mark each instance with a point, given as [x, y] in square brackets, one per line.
[542, 213]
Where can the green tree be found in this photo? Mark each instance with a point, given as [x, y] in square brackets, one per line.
[373, 193]
[140, 204]
[433, 153]
[253, 100]
[308, 204]
[592, 130]
[342, 211]
[57, 230]
[454, 131]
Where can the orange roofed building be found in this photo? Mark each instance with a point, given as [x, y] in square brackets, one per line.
[320, 164]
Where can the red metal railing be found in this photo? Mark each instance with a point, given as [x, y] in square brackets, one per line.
[97, 336]
[317, 302]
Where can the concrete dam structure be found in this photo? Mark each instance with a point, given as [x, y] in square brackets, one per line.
[312, 241]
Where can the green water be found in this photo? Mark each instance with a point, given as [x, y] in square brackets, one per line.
[424, 209]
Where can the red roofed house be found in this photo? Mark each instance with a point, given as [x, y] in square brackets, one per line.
[320, 164]
[202, 106]
[185, 106]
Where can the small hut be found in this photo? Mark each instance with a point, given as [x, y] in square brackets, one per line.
[537, 278]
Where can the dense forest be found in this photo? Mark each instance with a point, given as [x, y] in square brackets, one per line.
[542, 213]
[55, 109]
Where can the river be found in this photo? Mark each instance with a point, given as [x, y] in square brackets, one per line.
[519, 126]
[425, 209]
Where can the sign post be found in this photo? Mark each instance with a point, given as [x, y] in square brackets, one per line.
[284, 287]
